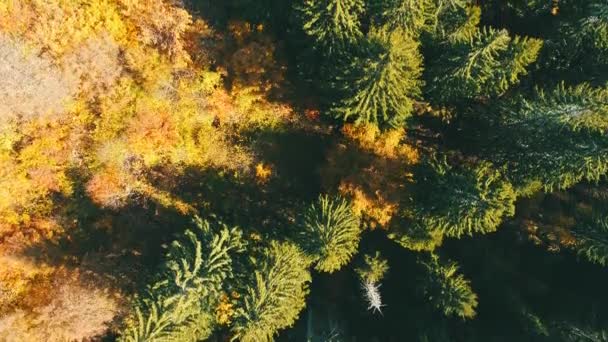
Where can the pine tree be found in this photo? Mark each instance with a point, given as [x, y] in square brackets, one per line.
[484, 64]
[456, 20]
[370, 273]
[410, 15]
[276, 297]
[449, 291]
[333, 24]
[179, 306]
[594, 31]
[373, 268]
[592, 240]
[331, 232]
[459, 200]
[381, 81]
[577, 49]
[445, 18]
[553, 139]
[414, 235]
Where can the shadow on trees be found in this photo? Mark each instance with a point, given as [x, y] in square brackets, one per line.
[120, 245]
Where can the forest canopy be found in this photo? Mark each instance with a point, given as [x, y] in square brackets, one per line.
[303, 170]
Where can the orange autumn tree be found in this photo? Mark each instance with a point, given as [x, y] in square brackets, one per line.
[110, 98]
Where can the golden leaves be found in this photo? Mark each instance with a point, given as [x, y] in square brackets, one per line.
[263, 173]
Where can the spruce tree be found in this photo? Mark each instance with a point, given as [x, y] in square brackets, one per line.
[444, 18]
[455, 20]
[381, 81]
[414, 235]
[332, 24]
[448, 290]
[577, 50]
[180, 305]
[484, 64]
[372, 268]
[594, 31]
[455, 201]
[553, 139]
[331, 232]
[410, 15]
[591, 240]
[277, 295]
[371, 272]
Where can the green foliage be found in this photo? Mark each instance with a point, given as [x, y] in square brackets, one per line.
[456, 19]
[484, 64]
[460, 200]
[115, 112]
[449, 291]
[452, 201]
[410, 15]
[592, 240]
[534, 323]
[414, 235]
[382, 81]
[462, 25]
[442, 18]
[595, 28]
[576, 332]
[179, 306]
[333, 24]
[276, 297]
[373, 268]
[331, 232]
[554, 139]
[589, 36]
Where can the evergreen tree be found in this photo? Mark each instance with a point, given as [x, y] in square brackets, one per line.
[454, 201]
[410, 15]
[445, 18]
[180, 305]
[594, 33]
[592, 240]
[414, 235]
[372, 268]
[553, 139]
[381, 81]
[333, 24]
[577, 48]
[370, 273]
[456, 20]
[484, 64]
[331, 232]
[276, 297]
[449, 291]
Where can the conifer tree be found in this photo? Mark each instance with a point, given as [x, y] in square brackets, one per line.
[331, 233]
[445, 18]
[410, 15]
[577, 50]
[483, 64]
[414, 235]
[594, 31]
[553, 139]
[448, 290]
[180, 305]
[373, 268]
[457, 20]
[381, 82]
[371, 272]
[454, 201]
[592, 240]
[276, 297]
[333, 24]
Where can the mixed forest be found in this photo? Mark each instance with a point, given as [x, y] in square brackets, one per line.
[304, 170]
